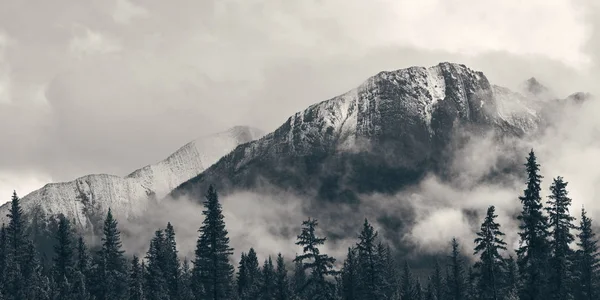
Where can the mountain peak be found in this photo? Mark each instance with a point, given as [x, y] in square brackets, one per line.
[533, 87]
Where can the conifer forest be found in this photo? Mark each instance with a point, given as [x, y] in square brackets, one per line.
[557, 258]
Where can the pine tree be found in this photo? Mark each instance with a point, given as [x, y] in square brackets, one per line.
[64, 257]
[489, 267]
[242, 277]
[533, 252]
[370, 287]
[560, 226]
[111, 265]
[172, 267]
[282, 285]
[471, 291]
[320, 265]
[407, 288]
[34, 282]
[588, 261]
[418, 292]
[136, 280]
[185, 290]
[389, 279]
[156, 281]
[267, 290]
[350, 276]
[456, 279]
[437, 282]
[511, 280]
[299, 280]
[16, 252]
[212, 271]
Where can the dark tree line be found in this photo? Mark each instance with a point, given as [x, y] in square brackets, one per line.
[556, 259]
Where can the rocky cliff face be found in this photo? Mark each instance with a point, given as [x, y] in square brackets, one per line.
[379, 137]
[87, 199]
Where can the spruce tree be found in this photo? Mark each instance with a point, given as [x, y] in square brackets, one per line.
[111, 265]
[212, 271]
[533, 252]
[350, 276]
[456, 276]
[282, 285]
[588, 261]
[185, 289]
[510, 285]
[155, 278]
[407, 287]
[136, 280]
[16, 252]
[418, 291]
[172, 266]
[390, 279]
[64, 255]
[489, 267]
[560, 223]
[370, 273]
[242, 277]
[317, 287]
[267, 291]
[299, 280]
[437, 282]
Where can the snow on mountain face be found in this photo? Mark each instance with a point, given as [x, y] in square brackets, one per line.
[400, 122]
[87, 199]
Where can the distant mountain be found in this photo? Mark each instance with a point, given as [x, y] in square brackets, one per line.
[379, 137]
[87, 199]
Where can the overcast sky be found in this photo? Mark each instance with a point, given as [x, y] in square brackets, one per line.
[107, 86]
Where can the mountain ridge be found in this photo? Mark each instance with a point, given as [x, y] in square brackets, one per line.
[81, 199]
[406, 118]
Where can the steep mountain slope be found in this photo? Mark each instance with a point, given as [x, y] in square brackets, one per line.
[87, 199]
[379, 137]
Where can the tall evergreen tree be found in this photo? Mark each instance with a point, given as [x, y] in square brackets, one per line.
[282, 285]
[350, 276]
[136, 280]
[588, 261]
[212, 271]
[267, 291]
[456, 279]
[242, 277]
[185, 290]
[111, 265]
[17, 251]
[489, 267]
[320, 265]
[437, 282]
[370, 273]
[155, 278]
[510, 284]
[561, 254]
[299, 280]
[64, 258]
[533, 252]
[418, 291]
[407, 286]
[390, 280]
[172, 266]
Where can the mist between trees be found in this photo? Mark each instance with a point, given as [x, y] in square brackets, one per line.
[556, 258]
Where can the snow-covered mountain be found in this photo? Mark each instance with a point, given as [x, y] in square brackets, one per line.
[378, 137]
[87, 199]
